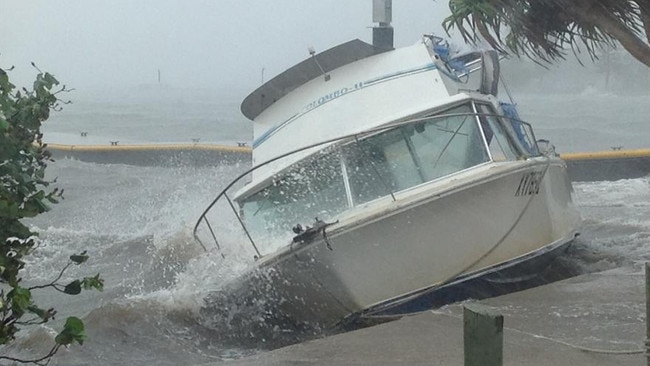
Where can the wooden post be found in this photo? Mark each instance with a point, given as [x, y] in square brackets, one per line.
[647, 313]
[483, 336]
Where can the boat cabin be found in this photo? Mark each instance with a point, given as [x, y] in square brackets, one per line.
[379, 163]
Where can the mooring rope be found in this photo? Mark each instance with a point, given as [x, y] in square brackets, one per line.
[466, 268]
[567, 344]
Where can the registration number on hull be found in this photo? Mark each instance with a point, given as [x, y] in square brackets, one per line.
[529, 184]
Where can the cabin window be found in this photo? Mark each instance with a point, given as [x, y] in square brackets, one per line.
[522, 131]
[525, 133]
[446, 145]
[496, 138]
[379, 165]
[314, 189]
[413, 154]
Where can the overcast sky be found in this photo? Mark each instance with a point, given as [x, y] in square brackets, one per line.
[91, 44]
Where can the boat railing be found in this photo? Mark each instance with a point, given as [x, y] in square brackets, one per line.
[352, 138]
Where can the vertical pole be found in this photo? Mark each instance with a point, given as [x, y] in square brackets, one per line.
[647, 312]
[483, 336]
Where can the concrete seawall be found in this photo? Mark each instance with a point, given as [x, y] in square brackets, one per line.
[608, 165]
[587, 166]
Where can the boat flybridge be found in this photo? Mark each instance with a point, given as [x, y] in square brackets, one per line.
[387, 181]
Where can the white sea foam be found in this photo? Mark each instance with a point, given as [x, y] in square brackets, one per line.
[616, 217]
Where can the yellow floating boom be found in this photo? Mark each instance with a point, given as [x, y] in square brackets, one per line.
[608, 165]
[613, 154]
[151, 147]
[583, 166]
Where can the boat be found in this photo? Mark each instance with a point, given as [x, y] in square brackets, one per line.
[386, 182]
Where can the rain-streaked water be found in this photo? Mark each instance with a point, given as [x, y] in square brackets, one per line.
[136, 221]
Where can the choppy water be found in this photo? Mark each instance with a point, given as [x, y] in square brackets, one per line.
[136, 224]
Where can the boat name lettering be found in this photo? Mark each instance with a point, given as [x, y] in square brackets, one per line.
[331, 96]
[529, 184]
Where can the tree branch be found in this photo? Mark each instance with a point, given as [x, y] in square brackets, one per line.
[588, 12]
[644, 14]
[37, 361]
[53, 283]
[485, 33]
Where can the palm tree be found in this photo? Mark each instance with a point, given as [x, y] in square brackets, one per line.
[544, 29]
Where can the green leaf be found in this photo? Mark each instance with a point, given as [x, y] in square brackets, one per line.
[42, 313]
[36, 310]
[93, 282]
[79, 258]
[21, 299]
[73, 288]
[5, 85]
[73, 331]
[25, 192]
[50, 80]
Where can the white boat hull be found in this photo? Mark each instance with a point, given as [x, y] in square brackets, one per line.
[433, 183]
[488, 217]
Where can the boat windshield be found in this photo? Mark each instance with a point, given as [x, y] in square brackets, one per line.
[376, 166]
[313, 189]
[413, 154]
[499, 142]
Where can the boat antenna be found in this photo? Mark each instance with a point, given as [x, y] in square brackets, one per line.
[382, 34]
[312, 52]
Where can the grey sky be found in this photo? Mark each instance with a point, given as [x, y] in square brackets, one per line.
[202, 43]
